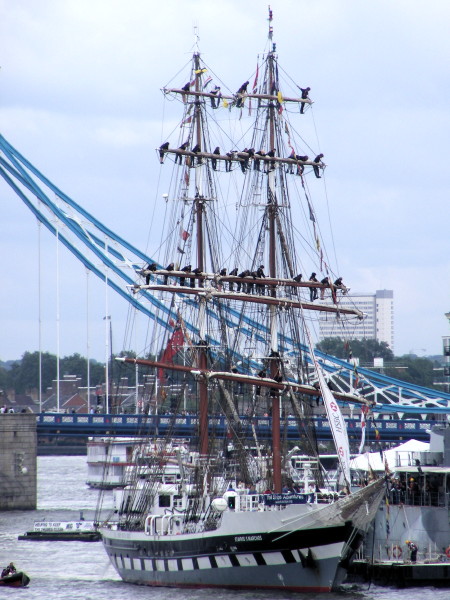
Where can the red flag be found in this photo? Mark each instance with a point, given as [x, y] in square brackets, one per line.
[185, 234]
[174, 344]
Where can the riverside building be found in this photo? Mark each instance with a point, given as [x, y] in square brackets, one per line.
[377, 324]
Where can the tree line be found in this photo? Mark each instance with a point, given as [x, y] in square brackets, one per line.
[23, 375]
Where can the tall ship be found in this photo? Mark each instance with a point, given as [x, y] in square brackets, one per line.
[233, 308]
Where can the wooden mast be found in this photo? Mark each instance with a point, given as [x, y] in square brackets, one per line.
[199, 207]
[271, 207]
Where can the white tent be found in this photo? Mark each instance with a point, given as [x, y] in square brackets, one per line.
[396, 457]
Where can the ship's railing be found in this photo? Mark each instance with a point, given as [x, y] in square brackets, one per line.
[161, 524]
[418, 498]
[398, 551]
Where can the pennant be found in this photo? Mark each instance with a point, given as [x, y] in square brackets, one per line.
[280, 97]
[185, 234]
[186, 121]
[186, 177]
[200, 71]
[208, 80]
[386, 466]
[255, 83]
[364, 410]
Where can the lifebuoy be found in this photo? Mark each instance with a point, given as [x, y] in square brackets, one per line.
[396, 551]
[447, 552]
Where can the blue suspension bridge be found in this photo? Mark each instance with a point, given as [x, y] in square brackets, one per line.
[116, 262]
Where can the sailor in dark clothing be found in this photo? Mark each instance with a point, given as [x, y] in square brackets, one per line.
[183, 146]
[271, 153]
[214, 160]
[242, 90]
[324, 281]
[186, 87]
[251, 285]
[151, 267]
[228, 162]
[215, 98]
[197, 271]
[301, 167]
[169, 268]
[257, 161]
[250, 153]
[338, 284]
[260, 374]
[245, 273]
[297, 278]
[244, 163]
[186, 269]
[313, 295]
[290, 167]
[162, 149]
[233, 273]
[196, 149]
[305, 92]
[317, 160]
[259, 287]
[413, 549]
[278, 378]
[223, 272]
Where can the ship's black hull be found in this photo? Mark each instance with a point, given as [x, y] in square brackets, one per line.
[306, 560]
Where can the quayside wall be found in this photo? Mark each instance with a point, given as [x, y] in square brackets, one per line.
[18, 468]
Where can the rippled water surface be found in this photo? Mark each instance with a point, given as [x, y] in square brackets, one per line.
[80, 570]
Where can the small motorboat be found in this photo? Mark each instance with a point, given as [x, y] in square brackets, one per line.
[17, 579]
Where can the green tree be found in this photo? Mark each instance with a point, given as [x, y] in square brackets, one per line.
[77, 365]
[24, 374]
[366, 350]
[414, 370]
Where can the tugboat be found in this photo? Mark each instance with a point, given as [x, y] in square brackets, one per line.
[234, 334]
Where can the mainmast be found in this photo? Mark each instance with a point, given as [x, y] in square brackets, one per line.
[271, 209]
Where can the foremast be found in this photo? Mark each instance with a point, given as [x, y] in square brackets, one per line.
[199, 203]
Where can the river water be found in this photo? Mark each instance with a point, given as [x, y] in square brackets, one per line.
[81, 570]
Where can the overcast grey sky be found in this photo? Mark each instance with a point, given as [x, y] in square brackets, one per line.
[80, 99]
